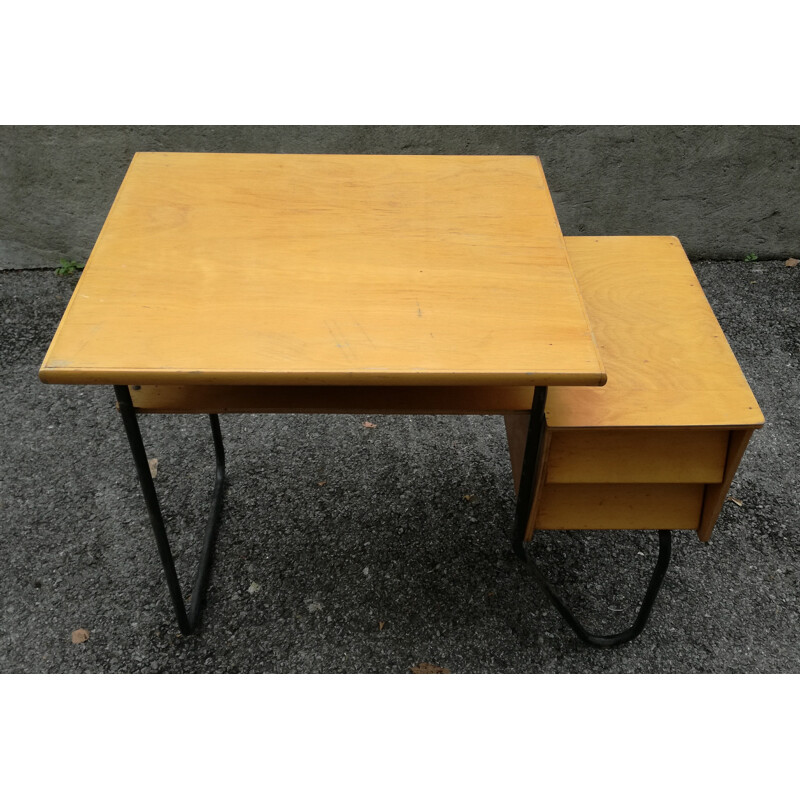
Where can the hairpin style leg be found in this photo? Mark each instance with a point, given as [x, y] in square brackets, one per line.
[187, 621]
[530, 467]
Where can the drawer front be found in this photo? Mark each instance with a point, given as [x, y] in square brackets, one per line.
[623, 506]
[637, 456]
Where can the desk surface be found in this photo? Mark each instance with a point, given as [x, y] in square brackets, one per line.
[669, 363]
[327, 269]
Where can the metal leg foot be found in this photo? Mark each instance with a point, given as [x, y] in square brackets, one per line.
[187, 621]
[611, 640]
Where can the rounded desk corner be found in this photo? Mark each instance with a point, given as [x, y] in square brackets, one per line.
[56, 374]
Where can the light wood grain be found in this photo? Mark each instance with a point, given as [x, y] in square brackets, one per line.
[667, 359]
[612, 458]
[244, 269]
[716, 493]
[666, 356]
[634, 506]
[676, 455]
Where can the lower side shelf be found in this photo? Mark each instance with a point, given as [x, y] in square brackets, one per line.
[613, 506]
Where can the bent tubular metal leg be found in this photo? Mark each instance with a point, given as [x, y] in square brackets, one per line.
[530, 467]
[187, 621]
[610, 640]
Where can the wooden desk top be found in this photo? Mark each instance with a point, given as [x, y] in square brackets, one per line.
[669, 363]
[247, 269]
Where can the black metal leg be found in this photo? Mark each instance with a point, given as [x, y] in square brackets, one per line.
[610, 640]
[187, 622]
[527, 487]
[530, 463]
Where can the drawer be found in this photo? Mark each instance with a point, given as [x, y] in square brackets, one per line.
[623, 506]
[637, 456]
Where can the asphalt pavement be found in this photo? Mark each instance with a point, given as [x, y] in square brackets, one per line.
[349, 548]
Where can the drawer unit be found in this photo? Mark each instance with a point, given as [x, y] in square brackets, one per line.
[656, 447]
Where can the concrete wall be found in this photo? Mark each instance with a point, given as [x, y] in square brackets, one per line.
[724, 191]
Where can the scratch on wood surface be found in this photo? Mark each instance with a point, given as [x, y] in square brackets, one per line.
[366, 335]
[341, 343]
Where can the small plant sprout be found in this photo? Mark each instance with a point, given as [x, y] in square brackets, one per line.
[751, 257]
[67, 267]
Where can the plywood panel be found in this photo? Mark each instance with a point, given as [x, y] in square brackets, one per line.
[667, 358]
[716, 493]
[638, 456]
[246, 269]
[619, 506]
[329, 399]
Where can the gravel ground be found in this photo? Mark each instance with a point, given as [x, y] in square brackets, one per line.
[353, 549]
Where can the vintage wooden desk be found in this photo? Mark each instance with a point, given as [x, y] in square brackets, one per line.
[232, 282]
[224, 283]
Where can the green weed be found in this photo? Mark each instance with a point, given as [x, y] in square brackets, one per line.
[67, 267]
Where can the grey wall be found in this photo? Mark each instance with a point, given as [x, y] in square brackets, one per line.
[724, 191]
